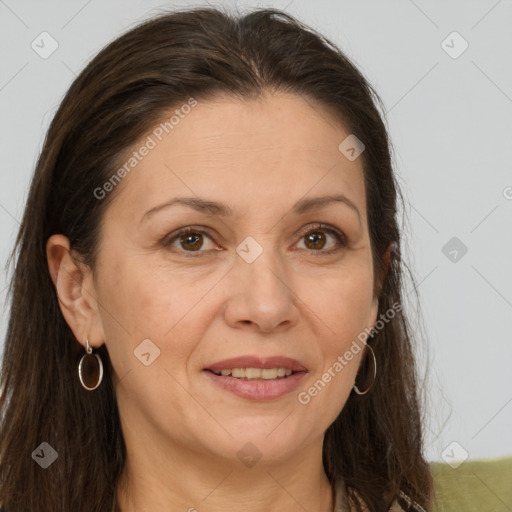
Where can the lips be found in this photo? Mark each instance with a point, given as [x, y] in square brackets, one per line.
[258, 362]
[258, 389]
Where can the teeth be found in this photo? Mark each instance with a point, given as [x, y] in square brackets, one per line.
[267, 373]
[251, 373]
[255, 373]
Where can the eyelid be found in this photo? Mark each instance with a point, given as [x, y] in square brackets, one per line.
[172, 237]
[342, 239]
[319, 226]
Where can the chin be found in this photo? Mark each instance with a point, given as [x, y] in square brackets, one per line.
[257, 446]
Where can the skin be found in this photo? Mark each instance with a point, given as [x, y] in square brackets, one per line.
[182, 432]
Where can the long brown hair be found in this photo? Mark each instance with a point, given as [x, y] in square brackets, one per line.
[375, 445]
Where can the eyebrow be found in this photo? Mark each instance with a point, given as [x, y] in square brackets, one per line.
[216, 208]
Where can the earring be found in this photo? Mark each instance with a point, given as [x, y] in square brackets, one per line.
[366, 373]
[90, 369]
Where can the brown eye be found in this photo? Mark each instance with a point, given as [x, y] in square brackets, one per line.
[192, 241]
[189, 240]
[315, 240]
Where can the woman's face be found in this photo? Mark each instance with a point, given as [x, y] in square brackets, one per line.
[256, 278]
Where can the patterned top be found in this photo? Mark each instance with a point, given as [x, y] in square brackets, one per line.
[341, 501]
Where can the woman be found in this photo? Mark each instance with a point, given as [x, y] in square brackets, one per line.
[206, 304]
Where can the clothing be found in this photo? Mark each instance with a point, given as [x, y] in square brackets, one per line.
[341, 501]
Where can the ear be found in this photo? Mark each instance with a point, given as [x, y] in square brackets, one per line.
[374, 310]
[75, 289]
[387, 258]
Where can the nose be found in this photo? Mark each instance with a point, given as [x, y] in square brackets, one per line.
[261, 296]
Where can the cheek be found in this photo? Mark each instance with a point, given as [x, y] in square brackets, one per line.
[142, 305]
[342, 303]
[143, 302]
[326, 393]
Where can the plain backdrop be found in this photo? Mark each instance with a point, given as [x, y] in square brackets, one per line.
[449, 111]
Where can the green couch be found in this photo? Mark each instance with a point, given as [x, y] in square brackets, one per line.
[479, 486]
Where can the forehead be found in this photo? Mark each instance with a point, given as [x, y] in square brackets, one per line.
[273, 149]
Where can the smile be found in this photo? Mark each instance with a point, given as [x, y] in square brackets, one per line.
[263, 385]
[255, 373]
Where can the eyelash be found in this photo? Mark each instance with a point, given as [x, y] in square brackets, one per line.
[339, 235]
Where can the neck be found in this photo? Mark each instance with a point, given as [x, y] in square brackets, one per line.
[196, 482]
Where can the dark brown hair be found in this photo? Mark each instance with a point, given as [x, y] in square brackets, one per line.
[375, 444]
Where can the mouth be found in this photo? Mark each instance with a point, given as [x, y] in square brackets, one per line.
[257, 378]
[255, 373]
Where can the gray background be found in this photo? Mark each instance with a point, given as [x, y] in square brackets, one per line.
[450, 123]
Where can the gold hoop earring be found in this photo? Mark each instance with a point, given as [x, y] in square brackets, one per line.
[90, 369]
[356, 388]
